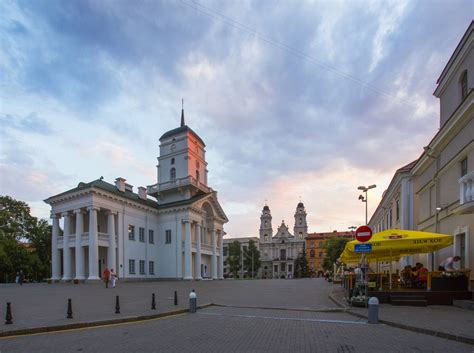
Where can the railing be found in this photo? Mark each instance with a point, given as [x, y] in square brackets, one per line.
[189, 180]
[466, 188]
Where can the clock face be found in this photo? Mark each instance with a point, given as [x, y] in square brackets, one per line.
[173, 147]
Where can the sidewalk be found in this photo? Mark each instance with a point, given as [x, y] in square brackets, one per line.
[437, 320]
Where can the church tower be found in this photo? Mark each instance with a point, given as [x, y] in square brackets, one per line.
[301, 227]
[266, 230]
[182, 168]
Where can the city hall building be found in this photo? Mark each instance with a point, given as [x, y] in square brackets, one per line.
[174, 234]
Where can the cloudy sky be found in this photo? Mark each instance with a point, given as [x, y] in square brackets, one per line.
[293, 98]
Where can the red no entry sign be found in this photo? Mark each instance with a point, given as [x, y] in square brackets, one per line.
[363, 234]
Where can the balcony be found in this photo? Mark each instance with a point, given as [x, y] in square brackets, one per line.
[156, 189]
[466, 194]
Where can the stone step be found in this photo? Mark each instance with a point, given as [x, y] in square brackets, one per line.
[407, 297]
[464, 304]
[409, 302]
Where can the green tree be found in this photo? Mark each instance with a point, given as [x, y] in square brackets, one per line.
[15, 219]
[252, 261]
[25, 242]
[301, 264]
[334, 247]
[235, 258]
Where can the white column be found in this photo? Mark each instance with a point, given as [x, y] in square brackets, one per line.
[120, 248]
[111, 250]
[55, 257]
[79, 249]
[187, 251]
[221, 256]
[67, 276]
[197, 263]
[93, 244]
[214, 255]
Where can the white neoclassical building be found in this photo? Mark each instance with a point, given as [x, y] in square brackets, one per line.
[176, 236]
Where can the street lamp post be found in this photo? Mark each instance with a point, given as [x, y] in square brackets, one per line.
[364, 199]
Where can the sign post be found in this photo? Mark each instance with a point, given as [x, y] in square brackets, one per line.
[364, 234]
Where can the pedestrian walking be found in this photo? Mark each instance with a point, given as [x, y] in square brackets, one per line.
[106, 276]
[113, 277]
[17, 278]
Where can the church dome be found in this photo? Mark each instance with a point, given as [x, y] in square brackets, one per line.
[300, 205]
[266, 208]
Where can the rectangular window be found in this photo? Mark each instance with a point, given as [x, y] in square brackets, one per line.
[390, 218]
[168, 236]
[141, 234]
[283, 267]
[131, 266]
[142, 267]
[225, 251]
[151, 236]
[151, 267]
[131, 232]
[464, 167]
[275, 268]
[290, 268]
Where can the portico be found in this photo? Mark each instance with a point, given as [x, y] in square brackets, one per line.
[76, 251]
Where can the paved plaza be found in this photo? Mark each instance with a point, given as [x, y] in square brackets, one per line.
[246, 320]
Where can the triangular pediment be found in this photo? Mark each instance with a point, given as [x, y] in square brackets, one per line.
[217, 209]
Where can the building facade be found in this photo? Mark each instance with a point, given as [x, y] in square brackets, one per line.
[316, 251]
[444, 174]
[278, 251]
[435, 193]
[178, 234]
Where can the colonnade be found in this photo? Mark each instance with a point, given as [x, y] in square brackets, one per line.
[79, 253]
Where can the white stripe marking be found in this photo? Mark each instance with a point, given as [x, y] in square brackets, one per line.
[288, 318]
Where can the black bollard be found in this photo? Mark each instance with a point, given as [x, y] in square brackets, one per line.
[69, 309]
[117, 305]
[153, 303]
[8, 317]
[175, 298]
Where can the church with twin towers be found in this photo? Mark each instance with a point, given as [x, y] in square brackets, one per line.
[172, 229]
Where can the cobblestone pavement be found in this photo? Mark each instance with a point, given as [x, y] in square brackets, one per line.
[39, 305]
[219, 329]
[441, 318]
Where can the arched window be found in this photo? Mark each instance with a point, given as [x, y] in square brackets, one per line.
[265, 237]
[172, 161]
[197, 175]
[311, 253]
[172, 174]
[463, 84]
[301, 235]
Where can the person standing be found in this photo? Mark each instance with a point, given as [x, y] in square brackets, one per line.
[113, 277]
[448, 264]
[21, 278]
[106, 277]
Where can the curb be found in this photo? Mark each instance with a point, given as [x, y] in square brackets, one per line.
[449, 336]
[59, 328]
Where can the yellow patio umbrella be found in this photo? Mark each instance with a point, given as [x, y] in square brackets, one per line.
[398, 242]
[391, 244]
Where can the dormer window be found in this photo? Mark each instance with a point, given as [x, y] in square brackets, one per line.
[172, 161]
[463, 84]
[172, 174]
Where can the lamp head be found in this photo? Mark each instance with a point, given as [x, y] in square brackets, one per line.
[363, 188]
[438, 209]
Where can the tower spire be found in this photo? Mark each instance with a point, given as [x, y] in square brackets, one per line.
[182, 112]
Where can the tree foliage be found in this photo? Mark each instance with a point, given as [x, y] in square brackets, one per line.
[252, 261]
[234, 259]
[301, 264]
[25, 242]
[334, 248]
